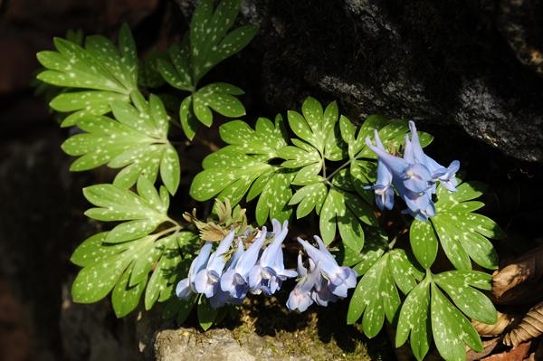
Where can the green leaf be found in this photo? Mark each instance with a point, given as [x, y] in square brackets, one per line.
[127, 47]
[144, 264]
[162, 281]
[243, 167]
[179, 309]
[343, 211]
[266, 139]
[414, 323]
[189, 123]
[459, 239]
[125, 298]
[108, 56]
[362, 175]
[176, 69]
[120, 204]
[209, 41]
[424, 242]
[392, 135]
[403, 271]
[375, 245]
[135, 139]
[98, 66]
[273, 201]
[85, 103]
[464, 192]
[297, 157]
[308, 174]
[219, 97]
[451, 329]
[357, 144]
[374, 298]
[225, 171]
[128, 231]
[206, 314]
[314, 125]
[170, 169]
[308, 198]
[97, 279]
[451, 238]
[327, 221]
[471, 302]
[93, 250]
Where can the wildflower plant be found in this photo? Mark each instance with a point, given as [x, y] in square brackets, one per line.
[384, 208]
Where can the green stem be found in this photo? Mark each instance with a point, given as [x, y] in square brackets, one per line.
[344, 165]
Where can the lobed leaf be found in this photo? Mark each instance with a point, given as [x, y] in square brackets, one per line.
[309, 197]
[424, 242]
[273, 201]
[375, 298]
[414, 323]
[136, 141]
[471, 302]
[161, 283]
[209, 41]
[125, 298]
[451, 330]
[219, 97]
[98, 66]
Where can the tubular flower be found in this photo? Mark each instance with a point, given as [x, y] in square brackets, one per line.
[269, 272]
[300, 298]
[207, 279]
[228, 274]
[414, 176]
[186, 287]
[235, 280]
[325, 281]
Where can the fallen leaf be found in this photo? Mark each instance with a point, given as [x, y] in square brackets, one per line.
[503, 321]
[519, 283]
[515, 354]
[531, 326]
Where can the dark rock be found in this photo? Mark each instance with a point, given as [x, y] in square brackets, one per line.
[459, 63]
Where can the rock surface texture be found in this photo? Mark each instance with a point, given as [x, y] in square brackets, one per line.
[471, 64]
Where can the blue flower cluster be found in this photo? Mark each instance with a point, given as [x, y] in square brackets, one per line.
[324, 282]
[227, 275]
[414, 176]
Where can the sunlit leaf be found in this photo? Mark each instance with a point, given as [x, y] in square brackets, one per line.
[471, 302]
[451, 329]
[375, 297]
[414, 323]
[424, 242]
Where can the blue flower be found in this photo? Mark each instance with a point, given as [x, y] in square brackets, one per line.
[300, 298]
[339, 278]
[269, 272]
[324, 282]
[186, 287]
[235, 280]
[207, 280]
[414, 176]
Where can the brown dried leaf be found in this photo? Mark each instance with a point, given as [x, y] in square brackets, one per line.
[488, 347]
[530, 327]
[497, 328]
[212, 232]
[515, 354]
[516, 283]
